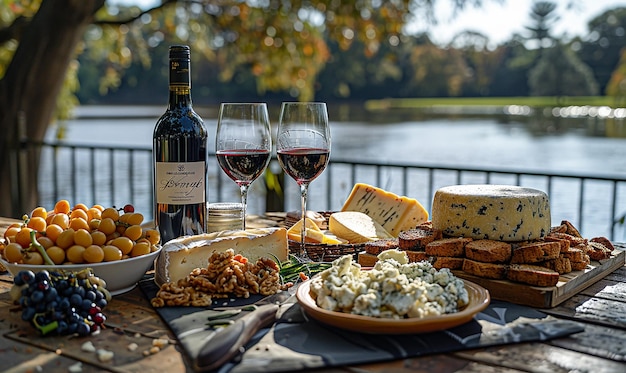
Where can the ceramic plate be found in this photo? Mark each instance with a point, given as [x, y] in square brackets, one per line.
[478, 300]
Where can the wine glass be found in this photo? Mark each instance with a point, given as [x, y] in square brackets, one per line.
[243, 144]
[303, 147]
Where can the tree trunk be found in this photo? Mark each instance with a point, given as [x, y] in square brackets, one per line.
[28, 94]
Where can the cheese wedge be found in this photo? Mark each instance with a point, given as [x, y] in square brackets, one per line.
[395, 213]
[181, 256]
[356, 227]
[312, 234]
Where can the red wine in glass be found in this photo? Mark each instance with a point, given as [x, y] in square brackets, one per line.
[243, 142]
[243, 165]
[303, 164]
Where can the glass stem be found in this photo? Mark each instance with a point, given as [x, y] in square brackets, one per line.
[304, 189]
[244, 201]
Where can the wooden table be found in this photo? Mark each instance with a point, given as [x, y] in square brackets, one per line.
[131, 320]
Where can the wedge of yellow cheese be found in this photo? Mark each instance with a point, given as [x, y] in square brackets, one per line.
[356, 227]
[312, 233]
[394, 213]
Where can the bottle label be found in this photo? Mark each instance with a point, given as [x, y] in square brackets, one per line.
[180, 183]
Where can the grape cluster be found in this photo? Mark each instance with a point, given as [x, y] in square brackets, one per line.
[62, 303]
[77, 235]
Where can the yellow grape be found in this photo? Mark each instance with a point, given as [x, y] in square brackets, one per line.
[93, 254]
[62, 220]
[120, 229]
[113, 236]
[75, 254]
[111, 253]
[40, 212]
[94, 224]
[107, 226]
[135, 218]
[46, 242]
[10, 233]
[133, 232]
[53, 231]
[153, 236]
[125, 244]
[80, 206]
[33, 257]
[66, 238]
[94, 213]
[23, 237]
[78, 213]
[13, 253]
[140, 248]
[112, 213]
[83, 238]
[124, 218]
[37, 223]
[98, 238]
[56, 254]
[79, 223]
[62, 207]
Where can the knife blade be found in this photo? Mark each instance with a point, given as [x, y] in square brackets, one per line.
[229, 341]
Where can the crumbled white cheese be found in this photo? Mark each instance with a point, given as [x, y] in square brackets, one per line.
[88, 347]
[393, 288]
[75, 368]
[104, 356]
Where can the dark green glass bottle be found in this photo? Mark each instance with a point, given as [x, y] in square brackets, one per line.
[180, 157]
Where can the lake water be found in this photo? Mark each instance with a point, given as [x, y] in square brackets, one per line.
[524, 143]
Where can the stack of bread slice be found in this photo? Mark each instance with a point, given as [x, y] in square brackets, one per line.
[538, 263]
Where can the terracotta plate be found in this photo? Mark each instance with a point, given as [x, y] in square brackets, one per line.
[478, 300]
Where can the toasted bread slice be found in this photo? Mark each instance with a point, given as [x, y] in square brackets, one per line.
[488, 251]
[485, 270]
[532, 275]
[417, 256]
[536, 252]
[366, 259]
[561, 264]
[565, 244]
[417, 239]
[448, 262]
[448, 247]
[378, 246]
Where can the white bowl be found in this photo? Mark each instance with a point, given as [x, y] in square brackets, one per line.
[120, 275]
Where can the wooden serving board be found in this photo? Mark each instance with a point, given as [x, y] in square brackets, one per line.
[547, 297]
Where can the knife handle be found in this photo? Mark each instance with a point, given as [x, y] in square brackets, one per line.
[229, 341]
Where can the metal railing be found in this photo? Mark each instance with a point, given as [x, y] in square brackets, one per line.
[116, 175]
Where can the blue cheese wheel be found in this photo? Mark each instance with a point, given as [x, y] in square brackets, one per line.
[495, 212]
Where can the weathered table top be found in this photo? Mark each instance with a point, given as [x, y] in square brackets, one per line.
[601, 308]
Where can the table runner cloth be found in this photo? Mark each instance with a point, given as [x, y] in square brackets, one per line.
[296, 342]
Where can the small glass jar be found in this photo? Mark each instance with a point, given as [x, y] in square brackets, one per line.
[224, 216]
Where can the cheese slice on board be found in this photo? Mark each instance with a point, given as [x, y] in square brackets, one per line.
[395, 213]
[182, 255]
[356, 227]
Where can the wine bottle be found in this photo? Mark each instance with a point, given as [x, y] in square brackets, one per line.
[180, 157]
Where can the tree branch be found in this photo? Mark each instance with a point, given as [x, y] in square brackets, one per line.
[117, 22]
[14, 30]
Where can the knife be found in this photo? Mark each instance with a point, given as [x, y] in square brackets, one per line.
[229, 341]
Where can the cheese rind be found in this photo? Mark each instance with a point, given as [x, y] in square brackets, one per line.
[356, 227]
[394, 213]
[181, 256]
[495, 212]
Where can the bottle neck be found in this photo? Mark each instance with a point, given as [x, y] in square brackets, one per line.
[180, 83]
[180, 97]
